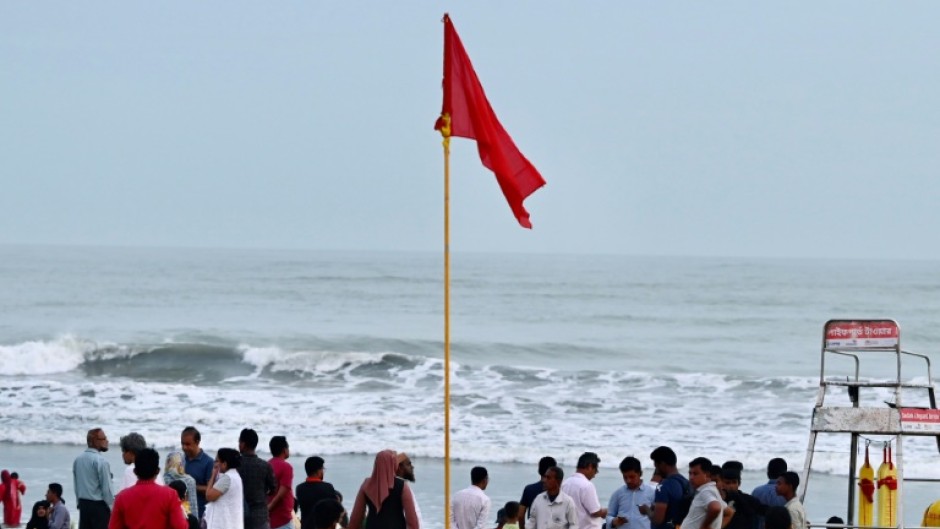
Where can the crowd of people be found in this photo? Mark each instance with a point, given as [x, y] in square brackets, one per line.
[710, 498]
[188, 489]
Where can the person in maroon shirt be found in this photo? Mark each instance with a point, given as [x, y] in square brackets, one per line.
[281, 503]
[147, 505]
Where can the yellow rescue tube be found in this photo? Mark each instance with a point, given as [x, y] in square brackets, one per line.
[887, 492]
[932, 515]
[866, 493]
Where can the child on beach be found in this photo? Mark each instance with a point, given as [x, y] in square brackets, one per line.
[510, 519]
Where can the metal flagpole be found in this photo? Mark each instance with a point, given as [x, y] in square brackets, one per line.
[445, 132]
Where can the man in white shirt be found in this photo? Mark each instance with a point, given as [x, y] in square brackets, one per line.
[787, 485]
[553, 509]
[470, 508]
[705, 512]
[590, 513]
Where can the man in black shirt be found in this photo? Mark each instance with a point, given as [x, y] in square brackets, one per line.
[531, 491]
[257, 481]
[312, 491]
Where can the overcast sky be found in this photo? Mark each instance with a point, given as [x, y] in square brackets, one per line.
[689, 128]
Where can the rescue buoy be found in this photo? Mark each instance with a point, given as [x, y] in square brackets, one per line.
[887, 491]
[866, 493]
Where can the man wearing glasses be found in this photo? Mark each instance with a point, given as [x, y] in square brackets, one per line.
[92, 475]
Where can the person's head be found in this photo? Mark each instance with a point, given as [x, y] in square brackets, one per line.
[698, 471]
[405, 469]
[247, 441]
[546, 463]
[787, 484]
[279, 447]
[97, 439]
[327, 513]
[315, 466]
[41, 509]
[15, 475]
[731, 479]
[632, 472]
[664, 460]
[228, 458]
[189, 441]
[714, 474]
[180, 487]
[776, 467]
[131, 445]
[552, 479]
[777, 517]
[511, 510]
[479, 477]
[147, 464]
[588, 464]
[174, 463]
[54, 493]
[835, 520]
[736, 465]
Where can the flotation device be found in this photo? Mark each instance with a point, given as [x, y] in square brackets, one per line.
[887, 491]
[866, 493]
[932, 515]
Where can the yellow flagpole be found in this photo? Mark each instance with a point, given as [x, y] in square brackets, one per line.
[445, 131]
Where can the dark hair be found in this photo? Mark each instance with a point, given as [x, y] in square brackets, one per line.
[326, 513]
[191, 430]
[736, 465]
[546, 463]
[588, 459]
[34, 519]
[230, 457]
[511, 509]
[777, 517]
[133, 442]
[249, 437]
[277, 445]
[631, 463]
[313, 465]
[776, 467]
[714, 471]
[792, 479]
[180, 487]
[15, 475]
[835, 520]
[56, 489]
[478, 474]
[703, 463]
[557, 472]
[664, 454]
[147, 464]
[731, 474]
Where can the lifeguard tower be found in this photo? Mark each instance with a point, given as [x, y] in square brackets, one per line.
[875, 406]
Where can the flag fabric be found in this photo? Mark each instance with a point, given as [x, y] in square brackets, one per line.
[470, 116]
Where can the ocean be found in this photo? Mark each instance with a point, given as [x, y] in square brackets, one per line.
[343, 351]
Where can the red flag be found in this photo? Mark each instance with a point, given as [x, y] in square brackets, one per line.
[472, 117]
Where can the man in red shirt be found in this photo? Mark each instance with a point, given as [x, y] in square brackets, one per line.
[281, 503]
[147, 505]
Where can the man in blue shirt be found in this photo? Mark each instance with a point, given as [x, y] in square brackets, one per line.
[92, 475]
[531, 491]
[766, 494]
[198, 464]
[671, 492]
[631, 504]
[59, 517]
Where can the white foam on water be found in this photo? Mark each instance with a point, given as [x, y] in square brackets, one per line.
[44, 357]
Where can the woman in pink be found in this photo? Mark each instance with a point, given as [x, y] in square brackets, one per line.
[383, 500]
[10, 491]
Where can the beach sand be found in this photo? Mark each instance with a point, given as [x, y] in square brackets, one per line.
[40, 465]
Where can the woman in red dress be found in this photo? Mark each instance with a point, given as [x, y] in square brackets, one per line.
[11, 489]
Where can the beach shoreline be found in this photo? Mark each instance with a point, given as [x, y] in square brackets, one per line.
[41, 464]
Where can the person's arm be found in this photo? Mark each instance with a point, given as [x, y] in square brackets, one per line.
[522, 511]
[613, 508]
[712, 511]
[484, 514]
[104, 476]
[359, 511]
[572, 515]
[533, 516]
[726, 515]
[218, 485]
[410, 507]
[117, 517]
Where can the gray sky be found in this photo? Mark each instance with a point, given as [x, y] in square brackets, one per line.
[691, 128]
